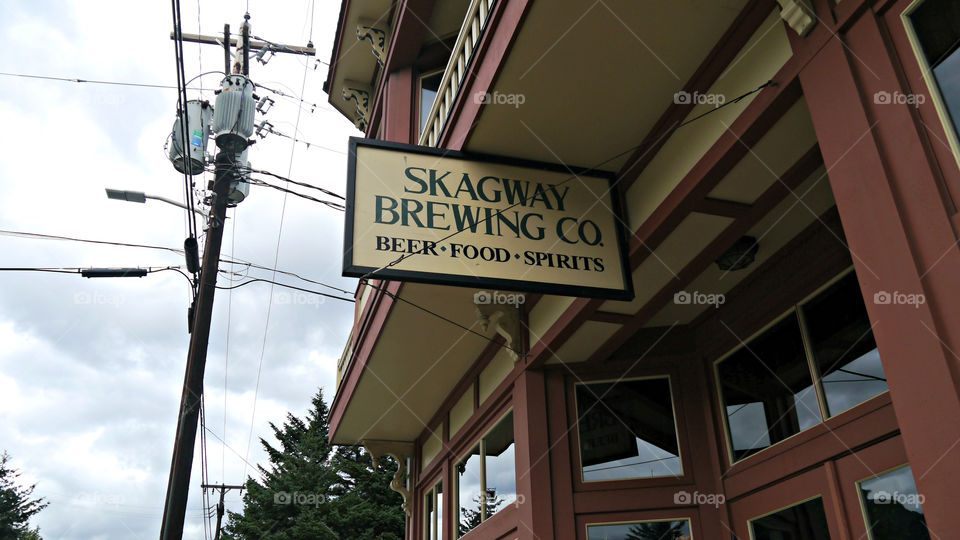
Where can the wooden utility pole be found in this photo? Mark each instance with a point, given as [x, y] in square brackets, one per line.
[220, 507]
[178, 484]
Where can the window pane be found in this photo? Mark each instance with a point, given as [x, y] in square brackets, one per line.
[439, 533]
[626, 430]
[648, 530]
[469, 491]
[429, 86]
[767, 392]
[937, 25]
[500, 466]
[430, 516]
[805, 521]
[843, 346]
[894, 509]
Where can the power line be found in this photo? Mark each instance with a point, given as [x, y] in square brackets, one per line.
[92, 81]
[295, 182]
[331, 204]
[276, 258]
[277, 283]
[23, 234]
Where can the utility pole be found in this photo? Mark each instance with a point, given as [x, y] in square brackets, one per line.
[178, 484]
[220, 507]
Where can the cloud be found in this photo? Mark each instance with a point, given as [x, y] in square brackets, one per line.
[91, 369]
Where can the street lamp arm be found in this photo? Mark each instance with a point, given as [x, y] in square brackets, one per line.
[175, 203]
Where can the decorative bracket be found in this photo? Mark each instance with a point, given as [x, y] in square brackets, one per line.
[798, 14]
[400, 451]
[505, 319]
[359, 93]
[377, 35]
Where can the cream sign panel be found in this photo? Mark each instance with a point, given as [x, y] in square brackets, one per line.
[482, 221]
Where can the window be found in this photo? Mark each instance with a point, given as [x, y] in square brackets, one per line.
[804, 521]
[937, 27]
[767, 389]
[433, 513]
[641, 530]
[627, 430]
[429, 86]
[841, 342]
[486, 477]
[767, 386]
[892, 508]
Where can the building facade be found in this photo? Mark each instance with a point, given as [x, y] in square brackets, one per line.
[788, 368]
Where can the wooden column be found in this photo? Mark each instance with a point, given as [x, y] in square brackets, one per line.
[901, 239]
[530, 420]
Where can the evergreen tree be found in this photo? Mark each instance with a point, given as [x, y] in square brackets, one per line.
[470, 518]
[16, 506]
[315, 490]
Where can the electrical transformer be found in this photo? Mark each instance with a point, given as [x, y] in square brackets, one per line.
[233, 113]
[198, 116]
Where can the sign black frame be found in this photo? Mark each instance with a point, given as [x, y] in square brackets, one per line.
[352, 270]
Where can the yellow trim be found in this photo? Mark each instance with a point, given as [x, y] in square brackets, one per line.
[637, 522]
[673, 411]
[932, 85]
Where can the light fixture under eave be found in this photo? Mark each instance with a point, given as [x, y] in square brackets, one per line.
[740, 255]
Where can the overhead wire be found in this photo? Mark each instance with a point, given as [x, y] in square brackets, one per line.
[92, 81]
[279, 284]
[331, 204]
[276, 258]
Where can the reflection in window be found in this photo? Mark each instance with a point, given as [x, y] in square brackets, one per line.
[433, 513]
[893, 509]
[646, 530]
[843, 346]
[805, 521]
[486, 477]
[429, 86]
[627, 430]
[937, 25]
[767, 391]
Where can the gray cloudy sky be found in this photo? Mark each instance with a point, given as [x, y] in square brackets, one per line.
[91, 370]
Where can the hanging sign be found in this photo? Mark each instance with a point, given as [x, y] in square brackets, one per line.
[483, 221]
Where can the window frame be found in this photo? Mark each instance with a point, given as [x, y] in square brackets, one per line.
[435, 526]
[458, 458]
[823, 501]
[933, 86]
[676, 431]
[418, 100]
[796, 310]
[688, 519]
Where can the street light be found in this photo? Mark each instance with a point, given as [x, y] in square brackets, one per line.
[190, 248]
[141, 197]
